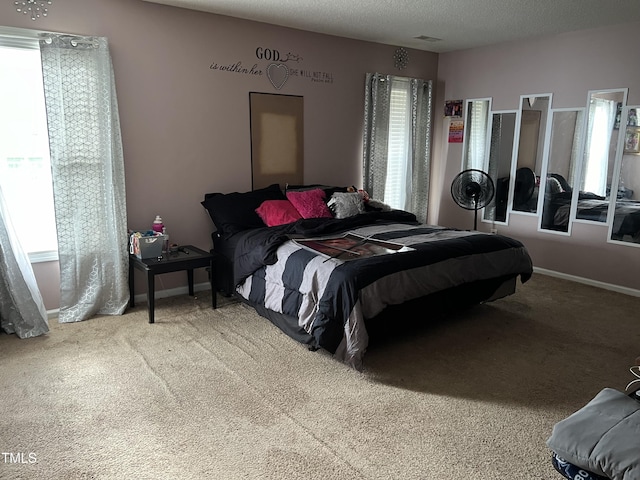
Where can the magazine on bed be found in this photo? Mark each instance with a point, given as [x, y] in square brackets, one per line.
[350, 246]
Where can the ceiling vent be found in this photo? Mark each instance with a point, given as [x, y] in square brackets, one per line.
[427, 38]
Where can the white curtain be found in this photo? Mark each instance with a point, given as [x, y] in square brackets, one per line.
[378, 117]
[22, 310]
[88, 176]
[602, 114]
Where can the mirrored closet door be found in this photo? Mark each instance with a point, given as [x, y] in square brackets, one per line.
[592, 199]
[624, 221]
[565, 147]
[503, 126]
[534, 113]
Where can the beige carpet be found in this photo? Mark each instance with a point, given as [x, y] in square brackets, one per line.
[223, 394]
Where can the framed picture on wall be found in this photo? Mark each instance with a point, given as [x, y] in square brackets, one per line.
[632, 141]
[277, 142]
[616, 124]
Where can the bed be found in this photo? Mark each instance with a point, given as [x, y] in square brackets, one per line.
[329, 299]
[626, 220]
[557, 210]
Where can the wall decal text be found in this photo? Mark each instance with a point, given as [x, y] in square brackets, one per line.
[237, 68]
[276, 71]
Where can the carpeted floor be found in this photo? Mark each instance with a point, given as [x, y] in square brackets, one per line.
[223, 394]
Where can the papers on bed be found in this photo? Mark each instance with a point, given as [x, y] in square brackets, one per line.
[350, 246]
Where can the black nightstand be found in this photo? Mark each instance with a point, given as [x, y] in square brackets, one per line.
[186, 258]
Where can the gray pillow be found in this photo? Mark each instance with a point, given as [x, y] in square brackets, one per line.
[346, 204]
[602, 436]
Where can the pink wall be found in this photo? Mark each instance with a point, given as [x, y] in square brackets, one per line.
[568, 66]
[185, 127]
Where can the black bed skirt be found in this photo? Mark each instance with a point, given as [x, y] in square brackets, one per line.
[438, 305]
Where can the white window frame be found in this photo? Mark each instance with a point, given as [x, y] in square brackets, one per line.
[26, 39]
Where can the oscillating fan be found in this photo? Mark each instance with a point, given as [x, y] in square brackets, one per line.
[472, 189]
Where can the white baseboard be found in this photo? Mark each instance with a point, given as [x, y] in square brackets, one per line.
[142, 297]
[587, 281]
[172, 292]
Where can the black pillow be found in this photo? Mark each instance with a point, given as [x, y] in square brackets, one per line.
[234, 212]
[328, 190]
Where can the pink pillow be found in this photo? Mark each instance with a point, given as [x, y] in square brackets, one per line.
[277, 212]
[310, 203]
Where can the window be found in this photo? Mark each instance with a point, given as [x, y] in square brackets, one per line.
[475, 149]
[25, 170]
[396, 141]
[602, 113]
[399, 142]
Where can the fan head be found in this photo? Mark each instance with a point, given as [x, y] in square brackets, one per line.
[472, 189]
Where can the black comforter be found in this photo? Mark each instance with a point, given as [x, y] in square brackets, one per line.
[258, 247]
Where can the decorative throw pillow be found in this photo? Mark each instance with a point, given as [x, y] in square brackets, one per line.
[310, 203]
[345, 205]
[373, 204]
[277, 212]
[234, 212]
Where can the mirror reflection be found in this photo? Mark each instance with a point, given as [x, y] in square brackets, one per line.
[503, 125]
[564, 150]
[625, 226]
[534, 111]
[604, 111]
[475, 140]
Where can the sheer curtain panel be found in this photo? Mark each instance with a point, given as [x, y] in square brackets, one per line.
[376, 133]
[88, 176]
[22, 310]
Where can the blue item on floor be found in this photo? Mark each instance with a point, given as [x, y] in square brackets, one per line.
[572, 472]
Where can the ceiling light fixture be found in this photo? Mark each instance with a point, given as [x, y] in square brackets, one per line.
[33, 7]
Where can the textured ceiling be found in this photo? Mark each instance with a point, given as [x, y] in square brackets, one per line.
[459, 24]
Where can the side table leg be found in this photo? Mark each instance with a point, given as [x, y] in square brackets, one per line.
[190, 280]
[212, 278]
[132, 301]
[151, 289]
